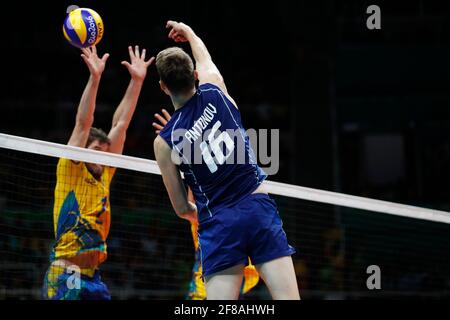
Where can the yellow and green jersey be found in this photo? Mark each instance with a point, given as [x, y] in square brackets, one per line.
[81, 214]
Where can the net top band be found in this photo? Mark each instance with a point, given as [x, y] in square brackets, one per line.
[276, 188]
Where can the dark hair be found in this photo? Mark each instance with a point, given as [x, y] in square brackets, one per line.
[97, 134]
[176, 70]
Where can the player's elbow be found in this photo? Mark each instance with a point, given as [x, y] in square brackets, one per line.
[120, 125]
[158, 147]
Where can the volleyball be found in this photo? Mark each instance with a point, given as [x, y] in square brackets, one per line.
[83, 27]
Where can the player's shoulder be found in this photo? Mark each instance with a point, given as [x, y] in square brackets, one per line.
[108, 173]
[68, 170]
[214, 92]
[206, 87]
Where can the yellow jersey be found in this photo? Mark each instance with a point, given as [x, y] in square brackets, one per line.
[81, 214]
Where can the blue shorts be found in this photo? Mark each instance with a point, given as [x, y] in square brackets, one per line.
[251, 228]
[59, 284]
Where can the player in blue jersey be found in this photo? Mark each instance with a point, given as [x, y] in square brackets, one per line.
[206, 141]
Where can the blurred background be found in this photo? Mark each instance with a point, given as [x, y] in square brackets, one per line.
[364, 112]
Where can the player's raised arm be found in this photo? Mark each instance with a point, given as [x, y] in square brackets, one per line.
[124, 112]
[85, 113]
[173, 182]
[204, 65]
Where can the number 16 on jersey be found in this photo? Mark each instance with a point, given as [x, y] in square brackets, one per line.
[213, 145]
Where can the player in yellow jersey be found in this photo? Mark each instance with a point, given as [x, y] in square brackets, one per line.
[82, 211]
[197, 289]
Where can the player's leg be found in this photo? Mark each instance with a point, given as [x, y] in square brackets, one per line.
[58, 283]
[223, 256]
[52, 282]
[197, 290]
[226, 284]
[279, 277]
[269, 248]
[63, 283]
[94, 288]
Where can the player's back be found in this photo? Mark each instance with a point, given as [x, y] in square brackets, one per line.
[215, 152]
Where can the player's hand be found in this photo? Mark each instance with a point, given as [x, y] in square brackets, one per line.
[179, 31]
[162, 119]
[95, 64]
[192, 216]
[138, 66]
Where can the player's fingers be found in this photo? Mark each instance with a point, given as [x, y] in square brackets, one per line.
[157, 126]
[105, 57]
[126, 64]
[143, 54]
[150, 61]
[157, 131]
[130, 52]
[172, 33]
[166, 114]
[85, 58]
[136, 51]
[94, 49]
[85, 51]
[170, 24]
[160, 119]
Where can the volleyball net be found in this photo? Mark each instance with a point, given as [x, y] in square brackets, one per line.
[151, 252]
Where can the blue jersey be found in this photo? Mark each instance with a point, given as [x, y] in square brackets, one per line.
[213, 151]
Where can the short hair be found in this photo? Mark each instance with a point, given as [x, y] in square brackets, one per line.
[97, 134]
[176, 70]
